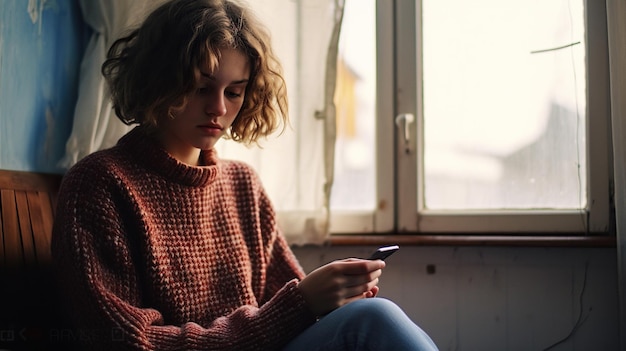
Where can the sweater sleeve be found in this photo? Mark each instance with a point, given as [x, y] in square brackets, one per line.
[97, 264]
[283, 264]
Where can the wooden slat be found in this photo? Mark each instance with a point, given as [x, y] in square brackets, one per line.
[18, 180]
[2, 259]
[47, 212]
[53, 201]
[26, 232]
[40, 225]
[11, 230]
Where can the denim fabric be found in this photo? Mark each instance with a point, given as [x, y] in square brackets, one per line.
[374, 324]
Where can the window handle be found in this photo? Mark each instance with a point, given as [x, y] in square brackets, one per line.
[403, 121]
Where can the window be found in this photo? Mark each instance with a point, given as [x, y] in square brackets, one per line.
[485, 117]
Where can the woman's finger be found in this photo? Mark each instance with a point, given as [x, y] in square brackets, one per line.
[359, 290]
[359, 266]
[356, 280]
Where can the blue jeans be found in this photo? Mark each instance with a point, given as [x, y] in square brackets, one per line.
[374, 324]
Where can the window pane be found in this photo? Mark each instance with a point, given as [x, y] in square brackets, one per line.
[504, 104]
[354, 185]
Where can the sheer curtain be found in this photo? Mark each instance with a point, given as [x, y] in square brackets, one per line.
[296, 166]
[616, 19]
[95, 126]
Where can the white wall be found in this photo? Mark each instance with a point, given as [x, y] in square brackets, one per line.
[496, 298]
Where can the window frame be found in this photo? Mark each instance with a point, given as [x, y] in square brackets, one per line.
[401, 210]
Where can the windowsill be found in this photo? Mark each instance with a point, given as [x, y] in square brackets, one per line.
[474, 240]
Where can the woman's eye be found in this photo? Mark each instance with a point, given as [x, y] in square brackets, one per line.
[232, 94]
[202, 90]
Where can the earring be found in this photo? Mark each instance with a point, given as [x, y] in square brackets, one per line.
[170, 115]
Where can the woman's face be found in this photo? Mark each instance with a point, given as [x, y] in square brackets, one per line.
[210, 109]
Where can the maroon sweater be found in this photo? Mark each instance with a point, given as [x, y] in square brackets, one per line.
[159, 255]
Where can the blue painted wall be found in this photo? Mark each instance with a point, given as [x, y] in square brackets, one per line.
[41, 45]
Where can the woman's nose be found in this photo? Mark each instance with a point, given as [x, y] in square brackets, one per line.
[216, 105]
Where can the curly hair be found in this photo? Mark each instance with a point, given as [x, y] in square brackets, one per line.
[155, 67]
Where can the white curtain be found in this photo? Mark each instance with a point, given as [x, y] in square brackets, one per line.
[296, 166]
[95, 126]
[616, 18]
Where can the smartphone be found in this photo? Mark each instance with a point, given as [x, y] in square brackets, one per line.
[383, 252]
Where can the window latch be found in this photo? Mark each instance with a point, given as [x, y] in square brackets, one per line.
[403, 122]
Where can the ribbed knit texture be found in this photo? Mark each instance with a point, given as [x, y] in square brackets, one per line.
[158, 255]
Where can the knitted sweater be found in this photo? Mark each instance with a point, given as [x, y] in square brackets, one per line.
[159, 255]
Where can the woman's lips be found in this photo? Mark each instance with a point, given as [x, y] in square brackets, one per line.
[211, 129]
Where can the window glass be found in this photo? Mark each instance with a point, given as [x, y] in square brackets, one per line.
[354, 185]
[504, 104]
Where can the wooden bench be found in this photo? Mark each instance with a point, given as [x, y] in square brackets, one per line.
[30, 308]
[27, 212]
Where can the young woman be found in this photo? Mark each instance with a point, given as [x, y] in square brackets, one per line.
[161, 245]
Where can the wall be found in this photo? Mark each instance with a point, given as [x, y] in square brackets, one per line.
[470, 298]
[41, 42]
[497, 298]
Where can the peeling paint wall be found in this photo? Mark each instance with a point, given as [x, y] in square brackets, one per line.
[499, 298]
[41, 45]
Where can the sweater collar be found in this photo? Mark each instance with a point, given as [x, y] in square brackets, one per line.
[146, 150]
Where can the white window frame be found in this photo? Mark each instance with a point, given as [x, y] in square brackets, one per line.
[399, 210]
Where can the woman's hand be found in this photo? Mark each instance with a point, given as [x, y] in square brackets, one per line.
[340, 282]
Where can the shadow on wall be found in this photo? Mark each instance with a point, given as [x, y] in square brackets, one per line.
[41, 45]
